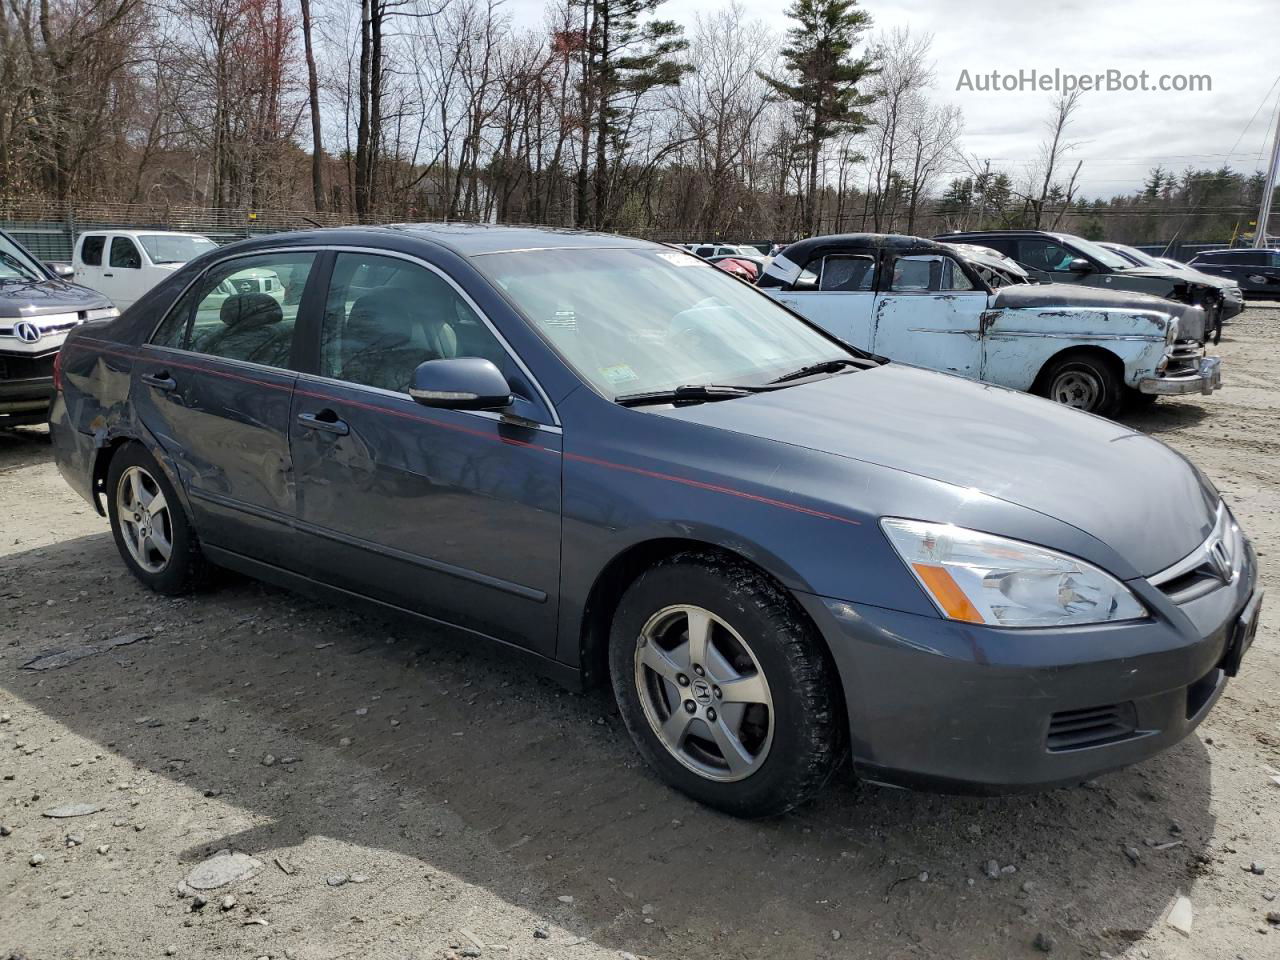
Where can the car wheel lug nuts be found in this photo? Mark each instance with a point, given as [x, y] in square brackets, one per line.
[690, 706]
[717, 691]
[682, 680]
[698, 670]
[711, 714]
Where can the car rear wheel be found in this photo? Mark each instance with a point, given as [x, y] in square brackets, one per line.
[1083, 382]
[151, 530]
[724, 686]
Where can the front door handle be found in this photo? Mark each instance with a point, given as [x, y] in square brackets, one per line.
[161, 381]
[325, 420]
[108, 274]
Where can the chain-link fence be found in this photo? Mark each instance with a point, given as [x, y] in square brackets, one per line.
[49, 229]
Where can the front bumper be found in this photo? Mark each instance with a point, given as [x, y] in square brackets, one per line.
[25, 400]
[945, 705]
[1205, 378]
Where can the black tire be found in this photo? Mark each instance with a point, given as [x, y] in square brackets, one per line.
[185, 567]
[806, 715]
[1083, 381]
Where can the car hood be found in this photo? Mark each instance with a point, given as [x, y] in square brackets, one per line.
[39, 297]
[1133, 493]
[1191, 319]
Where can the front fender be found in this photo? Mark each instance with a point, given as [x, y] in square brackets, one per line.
[1017, 343]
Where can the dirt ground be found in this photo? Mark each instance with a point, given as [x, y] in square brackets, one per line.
[423, 799]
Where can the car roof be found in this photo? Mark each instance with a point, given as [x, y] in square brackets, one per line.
[145, 233]
[803, 250]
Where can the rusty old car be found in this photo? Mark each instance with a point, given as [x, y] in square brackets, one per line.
[972, 312]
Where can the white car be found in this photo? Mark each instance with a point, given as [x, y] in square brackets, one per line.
[125, 264]
[968, 310]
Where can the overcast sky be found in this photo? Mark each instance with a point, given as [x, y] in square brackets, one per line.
[1122, 135]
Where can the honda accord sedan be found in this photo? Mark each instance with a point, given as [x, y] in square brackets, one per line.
[628, 467]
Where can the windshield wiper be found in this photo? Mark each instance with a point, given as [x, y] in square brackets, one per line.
[689, 393]
[823, 366]
[18, 265]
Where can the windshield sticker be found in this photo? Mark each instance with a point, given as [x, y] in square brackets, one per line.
[619, 373]
[681, 259]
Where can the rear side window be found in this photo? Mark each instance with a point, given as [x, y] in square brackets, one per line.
[384, 316]
[91, 250]
[124, 254]
[842, 273]
[242, 309]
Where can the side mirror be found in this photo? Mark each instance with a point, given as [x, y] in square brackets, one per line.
[63, 271]
[1080, 265]
[460, 383]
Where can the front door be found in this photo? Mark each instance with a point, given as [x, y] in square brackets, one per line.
[451, 514]
[930, 314]
[214, 388]
[88, 263]
[837, 293]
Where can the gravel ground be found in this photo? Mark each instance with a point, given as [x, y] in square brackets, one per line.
[406, 796]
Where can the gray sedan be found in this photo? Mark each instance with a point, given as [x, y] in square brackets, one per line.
[629, 468]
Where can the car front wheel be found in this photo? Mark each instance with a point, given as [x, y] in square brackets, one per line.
[724, 686]
[151, 530]
[1085, 382]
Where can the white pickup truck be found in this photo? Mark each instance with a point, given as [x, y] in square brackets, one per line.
[970, 311]
[125, 264]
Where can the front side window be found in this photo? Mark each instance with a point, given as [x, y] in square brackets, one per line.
[634, 320]
[1047, 256]
[174, 248]
[91, 250]
[843, 273]
[243, 309]
[1091, 250]
[928, 273]
[384, 316]
[124, 254]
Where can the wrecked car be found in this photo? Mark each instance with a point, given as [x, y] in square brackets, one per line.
[963, 311]
[1232, 296]
[1063, 258]
[632, 469]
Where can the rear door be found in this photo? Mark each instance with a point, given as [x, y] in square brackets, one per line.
[122, 273]
[88, 260]
[449, 513]
[837, 292]
[930, 314]
[214, 387]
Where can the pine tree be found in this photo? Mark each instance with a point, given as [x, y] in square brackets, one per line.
[822, 80]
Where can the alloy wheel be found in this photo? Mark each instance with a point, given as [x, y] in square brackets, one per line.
[146, 525]
[704, 693]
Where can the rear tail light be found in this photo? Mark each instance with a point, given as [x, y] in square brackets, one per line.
[57, 372]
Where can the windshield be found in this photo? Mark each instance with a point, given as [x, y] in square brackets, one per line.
[16, 263]
[1144, 259]
[1101, 254]
[639, 320]
[174, 248]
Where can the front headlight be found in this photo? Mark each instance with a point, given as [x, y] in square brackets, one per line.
[103, 313]
[979, 578]
[1171, 335]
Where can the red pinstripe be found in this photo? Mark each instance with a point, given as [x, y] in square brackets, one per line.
[104, 347]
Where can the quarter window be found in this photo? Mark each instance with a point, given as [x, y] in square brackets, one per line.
[243, 309]
[124, 254]
[384, 316]
[91, 251]
[928, 273]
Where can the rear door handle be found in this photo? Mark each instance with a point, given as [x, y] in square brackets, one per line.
[161, 381]
[108, 274]
[325, 420]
